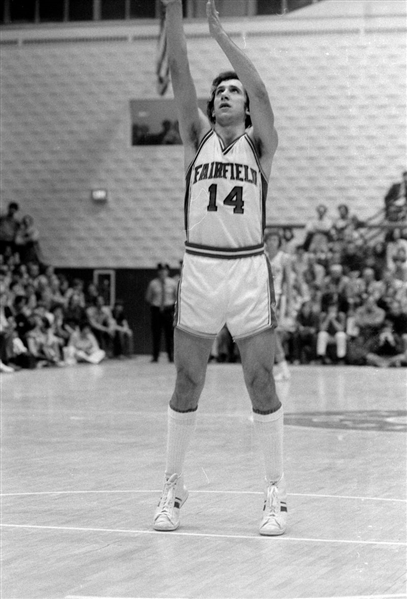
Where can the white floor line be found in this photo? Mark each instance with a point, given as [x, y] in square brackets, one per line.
[336, 597]
[214, 492]
[204, 535]
[100, 597]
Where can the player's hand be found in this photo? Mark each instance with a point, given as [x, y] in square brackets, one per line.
[212, 14]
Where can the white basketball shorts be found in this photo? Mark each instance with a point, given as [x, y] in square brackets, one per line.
[213, 292]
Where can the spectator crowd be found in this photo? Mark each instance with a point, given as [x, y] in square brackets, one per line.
[46, 319]
[348, 293]
[346, 303]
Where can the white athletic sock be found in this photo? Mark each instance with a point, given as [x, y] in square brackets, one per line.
[181, 427]
[269, 428]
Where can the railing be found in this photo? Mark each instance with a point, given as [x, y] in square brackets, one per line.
[372, 227]
[63, 11]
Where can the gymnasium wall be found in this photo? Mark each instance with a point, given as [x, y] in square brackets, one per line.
[336, 73]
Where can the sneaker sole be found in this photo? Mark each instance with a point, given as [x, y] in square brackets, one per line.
[276, 533]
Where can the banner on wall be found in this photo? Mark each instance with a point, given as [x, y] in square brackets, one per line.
[155, 122]
[162, 66]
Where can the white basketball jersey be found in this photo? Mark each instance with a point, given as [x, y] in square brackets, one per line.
[225, 199]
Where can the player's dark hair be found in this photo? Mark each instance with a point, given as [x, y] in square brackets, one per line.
[225, 76]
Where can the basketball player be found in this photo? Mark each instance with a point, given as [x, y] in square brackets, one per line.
[225, 276]
[281, 268]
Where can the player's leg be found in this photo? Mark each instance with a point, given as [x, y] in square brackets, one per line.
[191, 360]
[257, 355]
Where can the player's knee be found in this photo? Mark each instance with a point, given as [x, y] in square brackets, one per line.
[260, 380]
[262, 391]
[188, 388]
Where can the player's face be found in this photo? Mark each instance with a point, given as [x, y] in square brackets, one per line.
[230, 101]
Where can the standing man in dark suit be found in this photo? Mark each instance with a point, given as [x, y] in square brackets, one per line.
[161, 295]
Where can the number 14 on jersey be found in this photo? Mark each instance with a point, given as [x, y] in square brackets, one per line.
[234, 198]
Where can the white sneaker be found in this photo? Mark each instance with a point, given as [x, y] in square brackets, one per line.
[274, 521]
[6, 369]
[173, 497]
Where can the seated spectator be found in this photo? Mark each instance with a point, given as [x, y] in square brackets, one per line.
[46, 275]
[376, 258]
[395, 200]
[394, 241]
[334, 289]
[314, 273]
[15, 288]
[300, 261]
[64, 289]
[398, 319]
[288, 242]
[7, 327]
[341, 222]
[34, 276]
[42, 343]
[369, 318]
[20, 274]
[60, 327]
[44, 311]
[334, 255]
[56, 296]
[399, 268]
[305, 334]
[318, 231]
[77, 290]
[123, 341]
[102, 324]
[21, 357]
[331, 333]
[9, 225]
[75, 311]
[92, 294]
[388, 289]
[31, 296]
[300, 292]
[368, 283]
[352, 258]
[27, 241]
[21, 315]
[385, 348]
[83, 346]
[5, 279]
[354, 290]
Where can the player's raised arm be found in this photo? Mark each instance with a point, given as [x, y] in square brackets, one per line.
[261, 111]
[193, 123]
